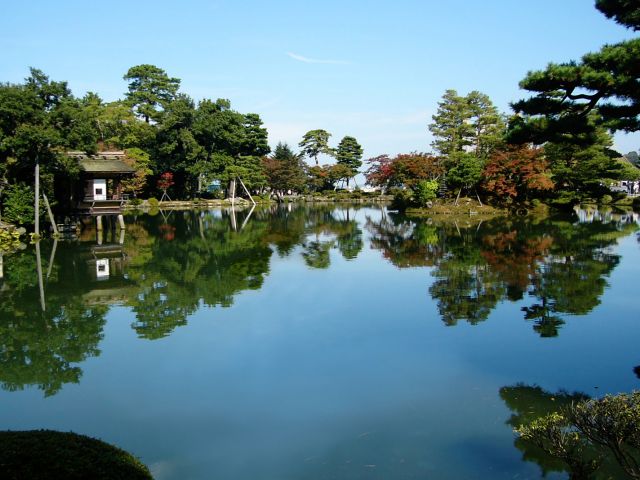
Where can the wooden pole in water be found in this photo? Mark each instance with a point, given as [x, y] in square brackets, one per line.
[52, 258]
[39, 269]
[248, 216]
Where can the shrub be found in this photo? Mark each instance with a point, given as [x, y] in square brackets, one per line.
[402, 199]
[18, 204]
[41, 454]
[588, 433]
[606, 199]
[153, 202]
[426, 191]
[9, 240]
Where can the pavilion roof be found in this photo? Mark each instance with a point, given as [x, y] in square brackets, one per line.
[103, 162]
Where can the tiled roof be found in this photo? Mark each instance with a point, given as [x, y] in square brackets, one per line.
[102, 162]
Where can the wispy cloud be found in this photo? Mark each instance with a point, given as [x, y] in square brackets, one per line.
[303, 59]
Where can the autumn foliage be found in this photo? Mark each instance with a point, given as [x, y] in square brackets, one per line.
[403, 170]
[513, 173]
[165, 181]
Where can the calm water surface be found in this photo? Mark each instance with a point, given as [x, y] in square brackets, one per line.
[333, 342]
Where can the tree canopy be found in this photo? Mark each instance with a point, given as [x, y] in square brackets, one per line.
[564, 94]
[349, 154]
[150, 90]
[315, 142]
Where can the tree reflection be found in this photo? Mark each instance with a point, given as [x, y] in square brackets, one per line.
[43, 348]
[207, 261]
[529, 403]
[558, 268]
[561, 265]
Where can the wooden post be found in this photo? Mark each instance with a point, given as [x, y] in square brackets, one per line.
[459, 192]
[51, 219]
[478, 197]
[37, 199]
[1, 268]
[246, 190]
[99, 223]
[121, 221]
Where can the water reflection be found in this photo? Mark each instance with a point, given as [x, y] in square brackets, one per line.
[168, 266]
[561, 264]
[529, 403]
[42, 343]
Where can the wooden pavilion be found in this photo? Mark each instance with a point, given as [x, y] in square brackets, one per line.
[100, 189]
[99, 192]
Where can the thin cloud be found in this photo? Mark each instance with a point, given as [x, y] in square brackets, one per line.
[303, 59]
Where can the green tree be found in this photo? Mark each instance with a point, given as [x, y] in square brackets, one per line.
[141, 161]
[315, 142]
[564, 94]
[284, 170]
[349, 154]
[470, 123]
[38, 119]
[585, 433]
[488, 125]
[255, 137]
[17, 204]
[150, 91]
[529, 403]
[580, 170]
[625, 12]
[466, 171]
[451, 128]
[426, 191]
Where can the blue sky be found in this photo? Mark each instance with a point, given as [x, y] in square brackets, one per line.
[371, 69]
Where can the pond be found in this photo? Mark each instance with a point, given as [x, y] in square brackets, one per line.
[311, 343]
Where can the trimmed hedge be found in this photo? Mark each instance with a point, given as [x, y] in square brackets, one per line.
[46, 454]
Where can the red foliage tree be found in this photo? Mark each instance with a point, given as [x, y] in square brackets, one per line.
[406, 169]
[165, 181]
[514, 172]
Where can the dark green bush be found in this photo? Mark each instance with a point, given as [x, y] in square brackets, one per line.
[47, 454]
[17, 204]
[402, 199]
